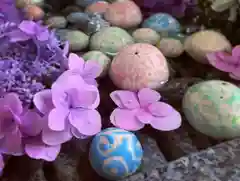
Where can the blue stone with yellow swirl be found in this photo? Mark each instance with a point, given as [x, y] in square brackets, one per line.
[115, 153]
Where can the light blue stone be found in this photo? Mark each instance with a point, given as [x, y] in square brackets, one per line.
[85, 3]
[162, 22]
[115, 153]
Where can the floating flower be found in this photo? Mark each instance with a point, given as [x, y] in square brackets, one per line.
[89, 70]
[30, 55]
[70, 105]
[227, 62]
[137, 109]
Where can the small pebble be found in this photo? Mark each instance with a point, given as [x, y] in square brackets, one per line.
[139, 66]
[85, 3]
[103, 60]
[34, 12]
[98, 7]
[71, 9]
[162, 22]
[77, 40]
[124, 14]
[78, 18]
[24, 3]
[199, 44]
[56, 22]
[110, 40]
[170, 47]
[146, 35]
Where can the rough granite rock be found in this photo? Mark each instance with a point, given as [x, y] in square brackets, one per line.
[219, 163]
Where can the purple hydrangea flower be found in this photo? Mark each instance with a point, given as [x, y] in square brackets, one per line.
[70, 106]
[227, 62]
[89, 70]
[30, 55]
[9, 12]
[137, 109]
[19, 129]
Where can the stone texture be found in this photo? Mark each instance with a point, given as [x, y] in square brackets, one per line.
[219, 163]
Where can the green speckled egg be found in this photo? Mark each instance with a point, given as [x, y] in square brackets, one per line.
[213, 108]
[103, 60]
[110, 40]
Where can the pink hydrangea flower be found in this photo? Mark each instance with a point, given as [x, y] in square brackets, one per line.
[89, 70]
[227, 62]
[137, 109]
[70, 109]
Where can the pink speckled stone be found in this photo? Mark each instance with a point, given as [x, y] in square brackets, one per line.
[137, 66]
[98, 7]
[124, 14]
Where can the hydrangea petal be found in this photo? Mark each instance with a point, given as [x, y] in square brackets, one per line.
[43, 36]
[87, 122]
[160, 109]
[75, 62]
[234, 76]
[6, 120]
[125, 119]
[87, 97]
[32, 123]
[91, 69]
[38, 150]
[67, 81]
[144, 116]
[12, 143]
[12, 100]
[236, 53]
[57, 119]
[77, 134]
[43, 101]
[125, 99]
[218, 63]
[18, 35]
[54, 138]
[28, 27]
[90, 81]
[168, 123]
[147, 96]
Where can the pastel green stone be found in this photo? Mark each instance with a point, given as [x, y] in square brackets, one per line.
[110, 40]
[102, 59]
[213, 108]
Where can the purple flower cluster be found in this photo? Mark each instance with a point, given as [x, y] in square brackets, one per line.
[227, 62]
[66, 110]
[29, 55]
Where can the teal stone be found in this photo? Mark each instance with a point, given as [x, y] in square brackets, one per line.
[115, 153]
[162, 22]
[213, 108]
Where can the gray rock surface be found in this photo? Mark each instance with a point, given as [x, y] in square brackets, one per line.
[219, 163]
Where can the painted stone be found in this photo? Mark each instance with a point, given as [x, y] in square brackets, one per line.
[34, 12]
[213, 108]
[170, 47]
[103, 60]
[85, 3]
[98, 7]
[139, 66]
[116, 39]
[146, 35]
[162, 22]
[124, 14]
[199, 44]
[77, 40]
[56, 22]
[115, 153]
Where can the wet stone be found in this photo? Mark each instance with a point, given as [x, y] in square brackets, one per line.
[56, 22]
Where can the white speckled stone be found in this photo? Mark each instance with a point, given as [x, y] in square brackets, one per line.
[199, 44]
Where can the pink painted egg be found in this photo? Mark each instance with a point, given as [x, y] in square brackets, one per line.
[139, 65]
[98, 7]
[124, 14]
